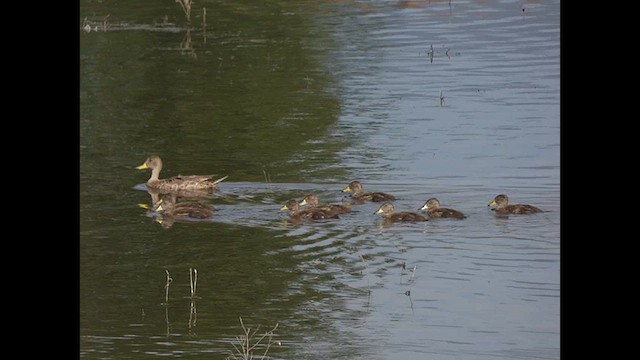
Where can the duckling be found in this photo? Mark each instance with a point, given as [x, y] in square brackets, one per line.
[433, 209]
[177, 183]
[356, 188]
[501, 206]
[388, 210]
[312, 213]
[312, 201]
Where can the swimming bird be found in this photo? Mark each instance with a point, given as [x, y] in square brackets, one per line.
[356, 188]
[388, 211]
[177, 183]
[311, 213]
[433, 210]
[312, 201]
[501, 206]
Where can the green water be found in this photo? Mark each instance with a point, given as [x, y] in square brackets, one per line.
[293, 97]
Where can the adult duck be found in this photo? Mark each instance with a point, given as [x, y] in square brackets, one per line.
[177, 183]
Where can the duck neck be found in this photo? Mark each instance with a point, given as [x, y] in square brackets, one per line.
[155, 174]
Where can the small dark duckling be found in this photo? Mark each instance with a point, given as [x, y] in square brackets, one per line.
[389, 213]
[186, 209]
[355, 187]
[433, 209]
[312, 213]
[501, 206]
[177, 183]
[312, 201]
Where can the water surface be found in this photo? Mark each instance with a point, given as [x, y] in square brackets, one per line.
[289, 98]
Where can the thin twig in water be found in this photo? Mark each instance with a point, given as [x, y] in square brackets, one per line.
[244, 350]
[430, 53]
[408, 294]
[186, 6]
[193, 281]
[193, 315]
[105, 23]
[204, 17]
[267, 179]
[166, 287]
[366, 268]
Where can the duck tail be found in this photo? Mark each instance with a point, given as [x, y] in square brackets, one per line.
[220, 180]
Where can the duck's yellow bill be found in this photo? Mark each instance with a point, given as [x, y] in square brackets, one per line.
[144, 206]
[379, 211]
[347, 189]
[142, 167]
[303, 202]
[284, 208]
[492, 203]
[424, 207]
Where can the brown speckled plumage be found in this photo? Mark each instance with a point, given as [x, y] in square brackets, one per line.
[316, 214]
[433, 210]
[501, 206]
[312, 201]
[356, 188]
[388, 211]
[177, 183]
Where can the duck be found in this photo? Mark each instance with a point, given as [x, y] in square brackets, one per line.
[501, 206]
[311, 213]
[356, 188]
[388, 211]
[312, 201]
[177, 183]
[433, 210]
[168, 207]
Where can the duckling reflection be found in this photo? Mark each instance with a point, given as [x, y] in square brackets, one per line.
[501, 206]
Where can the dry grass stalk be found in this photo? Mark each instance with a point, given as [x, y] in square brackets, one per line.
[193, 280]
[186, 6]
[244, 349]
[367, 271]
[267, 176]
[166, 287]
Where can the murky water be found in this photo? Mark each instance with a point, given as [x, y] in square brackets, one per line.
[457, 100]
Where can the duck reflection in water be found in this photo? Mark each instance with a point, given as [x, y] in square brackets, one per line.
[167, 210]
